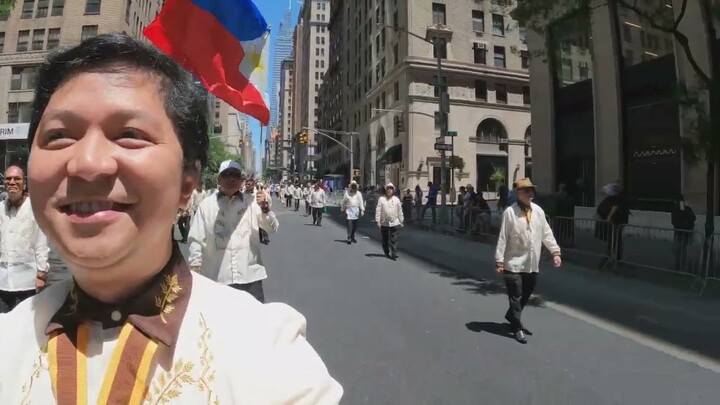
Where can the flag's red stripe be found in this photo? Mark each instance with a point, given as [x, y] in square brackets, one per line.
[196, 40]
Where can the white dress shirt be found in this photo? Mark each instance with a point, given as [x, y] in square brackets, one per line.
[231, 350]
[224, 238]
[520, 241]
[389, 211]
[23, 247]
[353, 205]
[317, 198]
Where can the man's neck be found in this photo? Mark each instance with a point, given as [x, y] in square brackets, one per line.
[16, 202]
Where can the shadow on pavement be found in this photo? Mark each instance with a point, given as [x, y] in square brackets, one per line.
[670, 314]
[495, 328]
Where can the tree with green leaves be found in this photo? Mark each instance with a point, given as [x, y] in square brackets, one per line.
[699, 100]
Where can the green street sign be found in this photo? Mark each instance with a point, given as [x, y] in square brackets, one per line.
[452, 133]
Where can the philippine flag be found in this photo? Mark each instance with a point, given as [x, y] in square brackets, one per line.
[222, 43]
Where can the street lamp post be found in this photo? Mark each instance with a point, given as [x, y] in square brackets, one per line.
[443, 110]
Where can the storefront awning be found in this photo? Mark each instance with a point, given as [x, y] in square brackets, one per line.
[392, 155]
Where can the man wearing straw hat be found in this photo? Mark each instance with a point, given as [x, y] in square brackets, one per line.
[523, 232]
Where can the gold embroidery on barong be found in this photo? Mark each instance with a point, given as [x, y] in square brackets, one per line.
[39, 364]
[170, 288]
[169, 385]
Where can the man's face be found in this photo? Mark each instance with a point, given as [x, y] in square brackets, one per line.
[389, 191]
[230, 181]
[14, 183]
[106, 170]
[525, 195]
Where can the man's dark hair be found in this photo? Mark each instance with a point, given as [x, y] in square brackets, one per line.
[185, 102]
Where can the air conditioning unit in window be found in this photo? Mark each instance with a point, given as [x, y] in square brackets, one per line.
[503, 141]
[480, 45]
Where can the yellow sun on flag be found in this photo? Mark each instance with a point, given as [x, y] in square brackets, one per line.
[254, 65]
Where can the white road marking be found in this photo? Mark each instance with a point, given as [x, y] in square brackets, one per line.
[678, 352]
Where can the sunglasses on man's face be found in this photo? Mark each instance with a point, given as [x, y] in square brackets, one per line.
[231, 175]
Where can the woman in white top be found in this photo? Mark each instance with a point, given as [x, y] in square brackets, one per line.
[354, 207]
[390, 219]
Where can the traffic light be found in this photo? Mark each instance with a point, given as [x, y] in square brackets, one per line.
[303, 138]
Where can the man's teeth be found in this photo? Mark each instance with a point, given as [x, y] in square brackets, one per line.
[91, 207]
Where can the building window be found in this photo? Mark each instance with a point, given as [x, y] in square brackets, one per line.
[583, 70]
[525, 59]
[526, 95]
[2, 42]
[53, 39]
[501, 93]
[88, 31]
[438, 12]
[27, 9]
[480, 53]
[440, 48]
[498, 25]
[523, 35]
[38, 39]
[500, 56]
[23, 78]
[127, 11]
[19, 112]
[23, 41]
[480, 90]
[478, 17]
[57, 8]
[396, 91]
[42, 8]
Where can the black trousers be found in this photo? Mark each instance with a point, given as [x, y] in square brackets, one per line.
[255, 289]
[317, 214]
[288, 200]
[184, 227]
[351, 227]
[10, 299]
[297, 204]
[520, 287]
[308, 210]
[263, 235]
[389, 239]
[432, 208]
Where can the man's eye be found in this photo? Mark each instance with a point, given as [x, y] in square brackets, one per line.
[131, 134]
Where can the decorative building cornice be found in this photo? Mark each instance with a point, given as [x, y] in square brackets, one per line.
[23, 57]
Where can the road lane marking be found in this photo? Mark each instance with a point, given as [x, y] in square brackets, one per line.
[678, 352]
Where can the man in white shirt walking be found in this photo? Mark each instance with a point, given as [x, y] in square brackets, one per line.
[318, 200]
[354, 207]
[23, 246]
[225, 234]
[390, 219]
[523, 232]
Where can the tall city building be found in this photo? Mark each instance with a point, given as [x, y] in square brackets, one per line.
[239, 138]
[32, 30]
[389, 92]
[604, 107]
[285, 116]
[311, 62]
[299, 67]
[282, 50]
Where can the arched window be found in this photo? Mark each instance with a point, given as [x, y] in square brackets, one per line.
[491, 130]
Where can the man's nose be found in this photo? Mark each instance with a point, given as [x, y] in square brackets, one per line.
[94, 157]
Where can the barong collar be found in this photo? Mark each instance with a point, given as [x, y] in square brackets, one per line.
[157, 310]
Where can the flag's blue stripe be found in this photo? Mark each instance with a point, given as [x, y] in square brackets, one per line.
[240, 17]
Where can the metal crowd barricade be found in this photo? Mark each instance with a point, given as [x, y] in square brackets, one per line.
[712, 266]
[662, 249]
[587, 237]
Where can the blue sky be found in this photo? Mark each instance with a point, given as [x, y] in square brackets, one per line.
[273, 11]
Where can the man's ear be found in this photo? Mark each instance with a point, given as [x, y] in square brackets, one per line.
[190, 180]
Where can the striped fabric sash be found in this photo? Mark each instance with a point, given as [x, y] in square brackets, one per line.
[126, 379]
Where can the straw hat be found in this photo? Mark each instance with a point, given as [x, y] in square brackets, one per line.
[523, 183]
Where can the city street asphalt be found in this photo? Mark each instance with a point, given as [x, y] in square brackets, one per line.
[400, 333]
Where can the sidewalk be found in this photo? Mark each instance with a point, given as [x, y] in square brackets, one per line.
[674, 316]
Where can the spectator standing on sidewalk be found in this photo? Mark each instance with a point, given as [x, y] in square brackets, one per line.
[407, 204]
[354, 207]
[318, 199]
[418, 202]
[225, 233]
[523, 232]
[431, 202]
[613, 210]
[24, 249]
[683, 221]
[389, 218]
